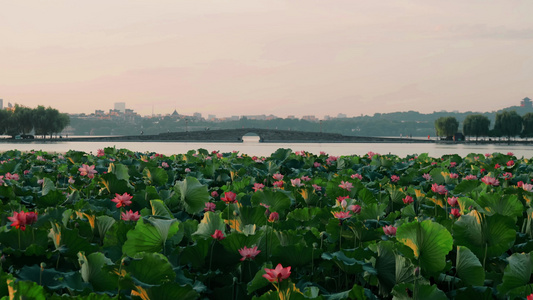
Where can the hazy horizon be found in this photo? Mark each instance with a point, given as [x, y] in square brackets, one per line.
[267, 57]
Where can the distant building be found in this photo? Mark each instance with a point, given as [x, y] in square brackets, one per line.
[1, 103]
[197, 115]
[526, 102]
[310, 118]
[120, 106]
[341, 116]
[211, 117]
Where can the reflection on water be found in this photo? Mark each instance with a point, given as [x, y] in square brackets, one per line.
[252, 146]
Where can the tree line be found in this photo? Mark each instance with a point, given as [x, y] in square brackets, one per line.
[41, 121]
[507, 124]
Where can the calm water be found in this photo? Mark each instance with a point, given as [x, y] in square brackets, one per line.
[251, 146]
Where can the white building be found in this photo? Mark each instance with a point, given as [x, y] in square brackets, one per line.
[120, 106]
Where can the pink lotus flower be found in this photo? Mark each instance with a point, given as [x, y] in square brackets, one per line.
[296, 182]
[278, 184]
[497, 166]
[358, 176]
[164, 164]
[40, 181]
[510, 163]
[455, 212]
[427, 177]
[395, 178]
[488, 180]
[187, 170]
[316, 165]
[214, 194]
[277, 176]
[218, 235]
[470, 177]
[389, 230]
[249, 253]
[342, 215]
[454, 175]
[278, 274]
[26, 172]
[408, 200]
[433, 163]
[317, 187]
[130, 216]
[122, 200]
[356, 209]
[527, 187]
[346, 185]
[305, 178]
[209, 206]
[452, 201]
[439, 189]
[510, 153]
[229, 197]
[100, 152]
[88, 171]
[12, 176]
[453, 164]
[371, 154]
[273, 217]
[507, 175]
[487, 155]
[21, 219]
[258, 187]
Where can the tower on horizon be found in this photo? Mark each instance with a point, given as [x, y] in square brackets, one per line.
[1, 103]
[526, 102]
[120, 106]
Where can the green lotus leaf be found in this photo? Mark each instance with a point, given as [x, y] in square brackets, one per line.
[121, 171]
[366, 196]
[277, 201]
[469, 269]
[479, 233]
[430, 242]
[150, 236]
[296, 255]
[236, 240]
[436, 175]
[25, 290]
[304, 214]
[48, 185]
[103, 224]
[506, 205]
[52, 198]
[114, 185]
[68, 241]
[467, 204]
[252, 216]
[166, 291]
[51, 278]
[193, 194]
[405, 270]
[385, 265]
[517, 274]
[160, 209]
[373, 211]
[465, 187]
[211, 222]
[475, 292]
[195, 254]
[92, 271]
[157, 176]
[149, 269]
[348, 264]
[400, 292]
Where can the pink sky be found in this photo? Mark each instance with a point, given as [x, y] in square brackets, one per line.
[247, 57]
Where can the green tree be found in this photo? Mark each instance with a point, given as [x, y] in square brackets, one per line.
[527, 125]
[476, 125]
[446, 126]
[40, 122]
[508, 123]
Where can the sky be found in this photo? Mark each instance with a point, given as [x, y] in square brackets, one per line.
[250, 57]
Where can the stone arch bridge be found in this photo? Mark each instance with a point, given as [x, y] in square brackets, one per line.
[265, 135]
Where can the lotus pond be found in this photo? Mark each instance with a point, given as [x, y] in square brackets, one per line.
[294, 225]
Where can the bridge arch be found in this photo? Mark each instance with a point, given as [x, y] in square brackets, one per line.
[252, 136]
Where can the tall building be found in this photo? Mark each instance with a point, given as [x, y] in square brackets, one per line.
[1, 103]
[120, 106]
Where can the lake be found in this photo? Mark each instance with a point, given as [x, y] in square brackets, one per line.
[251, 146]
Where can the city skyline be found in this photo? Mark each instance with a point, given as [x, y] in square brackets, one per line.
[277, 57]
